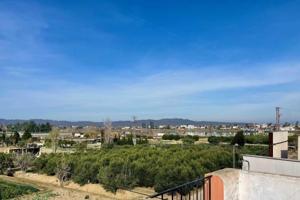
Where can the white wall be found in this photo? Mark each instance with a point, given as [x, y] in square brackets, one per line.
[259, 186]
[247, 185]
[272, 165]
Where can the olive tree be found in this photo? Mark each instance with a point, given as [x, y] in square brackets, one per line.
[63, 171]
[24, 161]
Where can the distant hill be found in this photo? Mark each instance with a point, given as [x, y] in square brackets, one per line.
[169, 121]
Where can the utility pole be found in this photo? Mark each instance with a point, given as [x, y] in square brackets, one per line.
[277, 126]
[233, 155]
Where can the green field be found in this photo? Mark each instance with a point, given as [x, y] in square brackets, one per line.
[9, 190]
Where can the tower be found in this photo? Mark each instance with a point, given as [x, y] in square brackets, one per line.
[277, 126]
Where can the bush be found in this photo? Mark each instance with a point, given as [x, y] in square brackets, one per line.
[219, 139]
[46, 164]
[86, 171]
[213, 140]
[6, 162]
[188, 140]
[171, 137]
[24, 161]
[257, 139]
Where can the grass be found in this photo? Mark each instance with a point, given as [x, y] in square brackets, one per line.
[9, 190]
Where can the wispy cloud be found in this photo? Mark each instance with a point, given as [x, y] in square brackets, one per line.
[166, 91]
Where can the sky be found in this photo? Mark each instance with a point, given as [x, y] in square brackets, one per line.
[211, 60]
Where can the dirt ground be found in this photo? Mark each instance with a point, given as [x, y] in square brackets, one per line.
[49, 187]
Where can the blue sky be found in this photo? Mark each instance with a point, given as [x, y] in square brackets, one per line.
[203, 60]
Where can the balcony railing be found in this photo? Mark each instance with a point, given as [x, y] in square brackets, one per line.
[199, 189]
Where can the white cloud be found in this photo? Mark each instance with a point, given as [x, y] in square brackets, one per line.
[160, 94]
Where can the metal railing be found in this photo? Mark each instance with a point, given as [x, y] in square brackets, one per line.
[199, 189]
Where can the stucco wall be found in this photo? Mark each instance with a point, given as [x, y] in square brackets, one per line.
[259, 186]
[272, 165]
[244, 185]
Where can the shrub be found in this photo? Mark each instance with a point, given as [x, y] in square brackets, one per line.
[171, 137]
[213, 140]
[6, 162]
[188, 140]
[86, 171]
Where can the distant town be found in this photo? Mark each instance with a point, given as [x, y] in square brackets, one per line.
[150, 131]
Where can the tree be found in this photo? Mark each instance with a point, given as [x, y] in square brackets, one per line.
[63, 171]
[46, 128]
[239, 139]
[31, 127]
[107, 131]
[85, 171]
[27, 135]
[91, 133]
[54, 136]
[15, 138]
[24, 161]
[3, 138]
[6, 162]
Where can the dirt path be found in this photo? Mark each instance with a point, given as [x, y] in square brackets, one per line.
[48, 185]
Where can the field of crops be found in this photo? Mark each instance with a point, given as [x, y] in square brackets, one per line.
[9, 190]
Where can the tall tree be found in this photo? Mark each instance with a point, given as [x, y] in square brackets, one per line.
[54, 136]
[239, 139]
[15, 138]
[27, 135]
[107, 131]
[3, 137]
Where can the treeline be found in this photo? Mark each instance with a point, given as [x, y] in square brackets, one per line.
[127, 140]
[178, 137]
[30, 126]
[249, 139]
[15, 139]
